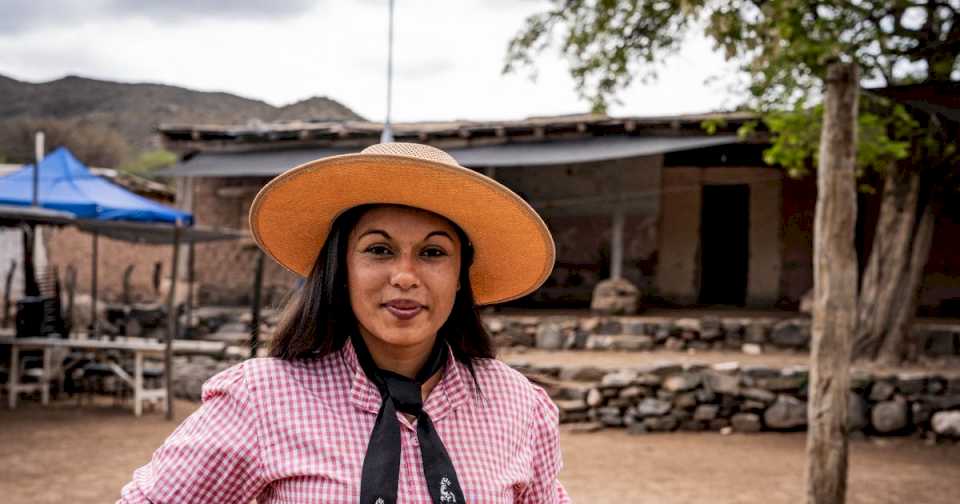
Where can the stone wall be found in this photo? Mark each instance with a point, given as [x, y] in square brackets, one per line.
[754, 335]
[729, 398]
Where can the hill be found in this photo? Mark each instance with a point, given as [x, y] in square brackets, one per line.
[134, 110]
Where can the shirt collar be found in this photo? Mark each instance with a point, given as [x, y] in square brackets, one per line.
[443, 400]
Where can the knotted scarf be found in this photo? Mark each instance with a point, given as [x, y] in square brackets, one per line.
[381, 464]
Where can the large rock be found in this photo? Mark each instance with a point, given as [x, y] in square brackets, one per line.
[791, 334]
[764, 396]
[882, 390]
[757, 332]
[615, 296]
[582, 373]
[549, 336]
[889, 416]
[706, 412]
[681, 382]
[787, 412]
[946, 423]
[620, 378]
[652, 407]
[746, 422]
[660, 424]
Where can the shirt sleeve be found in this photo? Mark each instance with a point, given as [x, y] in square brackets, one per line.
[213, 456]
[544, 448]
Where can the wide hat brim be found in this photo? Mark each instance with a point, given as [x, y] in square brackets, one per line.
[513, 250]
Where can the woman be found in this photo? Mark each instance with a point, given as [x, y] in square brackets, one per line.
[382, 385]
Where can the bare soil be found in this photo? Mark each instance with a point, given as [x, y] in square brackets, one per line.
[61, 453]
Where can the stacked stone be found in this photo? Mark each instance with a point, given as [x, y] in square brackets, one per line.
[749, 335]
[730, 398]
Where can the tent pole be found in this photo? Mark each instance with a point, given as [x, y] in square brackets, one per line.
[190, 280]
[255, 308]
[171, 321]
[94, 323]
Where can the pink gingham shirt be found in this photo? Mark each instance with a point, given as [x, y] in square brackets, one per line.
[296, 432]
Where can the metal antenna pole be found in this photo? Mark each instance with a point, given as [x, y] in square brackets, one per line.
[387, 135]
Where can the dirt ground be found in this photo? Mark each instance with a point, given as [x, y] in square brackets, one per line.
[59, 454]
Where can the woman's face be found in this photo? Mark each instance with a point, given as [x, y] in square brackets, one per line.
[403, 266]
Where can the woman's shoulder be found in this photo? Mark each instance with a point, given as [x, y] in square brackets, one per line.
[268, 374]
[498, 378]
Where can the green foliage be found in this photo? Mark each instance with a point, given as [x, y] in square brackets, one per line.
[883, 138]
[148, 161]
[783, 47]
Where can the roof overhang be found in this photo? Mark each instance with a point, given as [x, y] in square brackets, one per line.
[268, 163]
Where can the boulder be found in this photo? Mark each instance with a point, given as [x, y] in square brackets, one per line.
[746, 422]
[706, 412]
[889, 416]
[652, 407]
[620, 378]
[722, 383]
[882, 390]
[786, 413]
[549, 336]
[946, 423]
[615, 296]
[582, 373]
[791, 334]
[681, 382]
[757, 332]
[764, 396]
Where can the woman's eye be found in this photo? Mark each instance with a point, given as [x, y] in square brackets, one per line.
[378, 250]
[434, 252]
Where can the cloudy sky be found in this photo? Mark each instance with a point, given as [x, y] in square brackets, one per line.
[448, 55]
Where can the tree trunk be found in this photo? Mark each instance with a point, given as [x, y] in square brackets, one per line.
[835, 290]
[883, 278]
[900, 344]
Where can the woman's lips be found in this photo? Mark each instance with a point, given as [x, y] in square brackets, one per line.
[403, 310]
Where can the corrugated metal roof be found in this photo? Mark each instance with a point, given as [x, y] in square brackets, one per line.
[268, 163]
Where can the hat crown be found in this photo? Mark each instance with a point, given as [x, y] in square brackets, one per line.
[413, 150]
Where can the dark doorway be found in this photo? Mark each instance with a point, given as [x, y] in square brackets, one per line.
[724, 244]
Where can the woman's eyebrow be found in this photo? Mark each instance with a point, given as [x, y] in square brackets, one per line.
[438, 233]
[375, 231]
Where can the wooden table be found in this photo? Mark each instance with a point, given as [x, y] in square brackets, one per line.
[139, 348]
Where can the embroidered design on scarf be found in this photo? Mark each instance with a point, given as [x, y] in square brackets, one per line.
[445, 494]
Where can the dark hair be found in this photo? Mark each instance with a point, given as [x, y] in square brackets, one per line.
[318, 320]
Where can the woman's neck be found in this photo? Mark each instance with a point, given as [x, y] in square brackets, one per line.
[405, 361]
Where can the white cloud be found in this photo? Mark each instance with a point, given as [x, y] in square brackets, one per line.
[448, 57]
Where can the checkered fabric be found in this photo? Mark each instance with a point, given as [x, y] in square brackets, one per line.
[296, 432]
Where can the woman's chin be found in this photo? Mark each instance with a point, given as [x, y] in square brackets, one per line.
[398, 336]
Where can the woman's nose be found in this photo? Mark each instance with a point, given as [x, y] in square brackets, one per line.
[404, 276]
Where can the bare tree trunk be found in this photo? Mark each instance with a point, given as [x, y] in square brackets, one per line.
[899, 343]
[835, 290]
[884, 276]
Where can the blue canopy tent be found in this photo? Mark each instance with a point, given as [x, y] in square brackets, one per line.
[63, 183]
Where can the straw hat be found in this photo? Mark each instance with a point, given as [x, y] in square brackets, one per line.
[514, 252]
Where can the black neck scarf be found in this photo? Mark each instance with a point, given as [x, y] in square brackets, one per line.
[381, 464]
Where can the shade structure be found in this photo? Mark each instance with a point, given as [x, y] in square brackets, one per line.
[65, 184]
[14, 215]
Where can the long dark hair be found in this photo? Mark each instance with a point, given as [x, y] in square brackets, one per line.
[318, 319]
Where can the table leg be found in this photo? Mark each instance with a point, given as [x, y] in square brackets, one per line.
[12, 388]
[138, 384]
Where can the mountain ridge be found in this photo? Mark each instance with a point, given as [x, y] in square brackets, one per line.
[134, 110]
